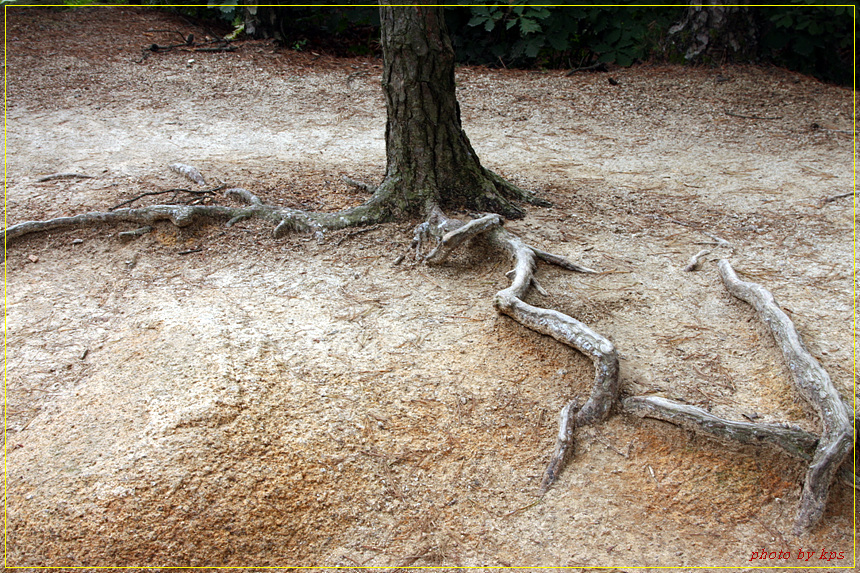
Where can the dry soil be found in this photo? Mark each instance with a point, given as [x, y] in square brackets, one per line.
[216, 397]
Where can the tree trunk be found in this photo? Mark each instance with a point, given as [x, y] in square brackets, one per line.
[430, 161]
[716, 32]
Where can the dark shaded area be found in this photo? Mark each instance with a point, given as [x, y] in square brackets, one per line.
[812, 38]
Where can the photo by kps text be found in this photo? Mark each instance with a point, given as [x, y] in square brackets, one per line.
[799, 555]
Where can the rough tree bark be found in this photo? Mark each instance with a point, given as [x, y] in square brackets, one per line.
[430, 160]
[715, 31]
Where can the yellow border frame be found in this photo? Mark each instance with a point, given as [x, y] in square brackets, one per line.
[5, 361]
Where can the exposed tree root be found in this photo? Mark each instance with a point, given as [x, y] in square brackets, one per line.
[514, 193]
[696, 260]
[560, 326]
[795, 442]
[189, 172]
[826, 454]
[284, 219]
[813, 383]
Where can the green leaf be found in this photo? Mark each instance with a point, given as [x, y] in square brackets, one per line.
[558, 40]
[529, 26]
[533, 47]
[612, 36]
[624, 60]
[540, 13]
[477, 20]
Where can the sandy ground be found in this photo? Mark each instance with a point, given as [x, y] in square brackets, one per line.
[261, 402]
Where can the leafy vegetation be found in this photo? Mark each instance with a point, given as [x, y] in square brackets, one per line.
[816, 40]
[807, 36]
[561, 36]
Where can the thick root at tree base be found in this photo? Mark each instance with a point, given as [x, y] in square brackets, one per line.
[827, 454]
[514, 193]
[388, 200]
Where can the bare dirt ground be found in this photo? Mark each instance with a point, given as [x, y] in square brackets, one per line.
[261, 402]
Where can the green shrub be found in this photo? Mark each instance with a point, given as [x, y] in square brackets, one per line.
[561, 36]
[815, 40]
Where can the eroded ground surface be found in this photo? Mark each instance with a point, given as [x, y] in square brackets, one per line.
[261, 402]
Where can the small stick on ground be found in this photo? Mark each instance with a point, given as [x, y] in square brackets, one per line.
[696, 260]
[814, 384]
[410, 559]
[352, 234]
[189, 172]
[751, 116]
[57, 176]
[837, 197]
[598, 67]
[129, 235]
[153, 193]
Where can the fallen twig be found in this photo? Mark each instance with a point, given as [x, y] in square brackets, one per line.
[831, 130]
[523, 508]
[153, 193]
[128, 235]
[354, 233]
[410, 559]
[227, 48]
[598, 67]
[750, 116]
[840, 196]
[696, 260]
[719, 240]
[57, 176]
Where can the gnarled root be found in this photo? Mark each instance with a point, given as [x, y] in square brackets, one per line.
[814, 384]
[560, 326]
[795, 442]
[377, 209]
